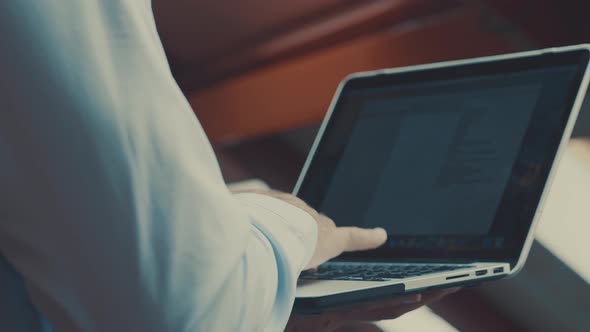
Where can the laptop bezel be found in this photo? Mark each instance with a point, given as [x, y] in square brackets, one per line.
[580, 52]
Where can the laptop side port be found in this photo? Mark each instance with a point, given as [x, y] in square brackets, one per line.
[498, 270]
[481, 273]
[458, 276]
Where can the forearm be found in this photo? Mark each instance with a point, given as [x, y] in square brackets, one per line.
[115, 211]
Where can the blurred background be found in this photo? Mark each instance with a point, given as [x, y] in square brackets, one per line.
[260, 74]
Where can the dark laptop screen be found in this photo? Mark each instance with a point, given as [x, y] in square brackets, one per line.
[451, 162]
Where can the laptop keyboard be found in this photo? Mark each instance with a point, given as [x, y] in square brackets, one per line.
[375, 272]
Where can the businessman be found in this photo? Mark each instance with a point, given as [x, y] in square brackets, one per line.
[113, 213]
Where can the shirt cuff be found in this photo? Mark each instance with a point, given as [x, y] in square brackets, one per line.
[288, 227]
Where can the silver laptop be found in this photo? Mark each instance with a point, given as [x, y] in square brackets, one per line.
[453, 159]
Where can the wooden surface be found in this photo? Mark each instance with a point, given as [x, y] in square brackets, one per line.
[565, 224]
[296, 93]
[211, 41]
[259, 67]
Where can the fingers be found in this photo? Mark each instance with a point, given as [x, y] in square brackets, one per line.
[332, 240]
[355, 239]
[389, 308]
[434, 296]
[377, 304]
[387, 312]
[395, 309]
[381, 309]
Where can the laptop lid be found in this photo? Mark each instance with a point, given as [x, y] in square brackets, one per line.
[452, 159]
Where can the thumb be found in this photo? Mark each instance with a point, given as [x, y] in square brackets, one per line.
[356, 239]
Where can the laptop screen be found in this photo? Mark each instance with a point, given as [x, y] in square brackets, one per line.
[451, 162]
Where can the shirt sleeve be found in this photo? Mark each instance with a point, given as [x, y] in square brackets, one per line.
[112, 206]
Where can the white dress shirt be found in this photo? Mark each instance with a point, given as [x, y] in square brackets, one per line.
[113, 212]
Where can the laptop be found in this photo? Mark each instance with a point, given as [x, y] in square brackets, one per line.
[453, 159]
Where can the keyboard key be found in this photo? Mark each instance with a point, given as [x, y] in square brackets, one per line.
[374, 272]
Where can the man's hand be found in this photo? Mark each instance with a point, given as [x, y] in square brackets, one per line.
[332, 240]
[355, 316]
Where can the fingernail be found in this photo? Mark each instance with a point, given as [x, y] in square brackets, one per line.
[451, 290]
[413, 299]
[381, 229]
[446, 292]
